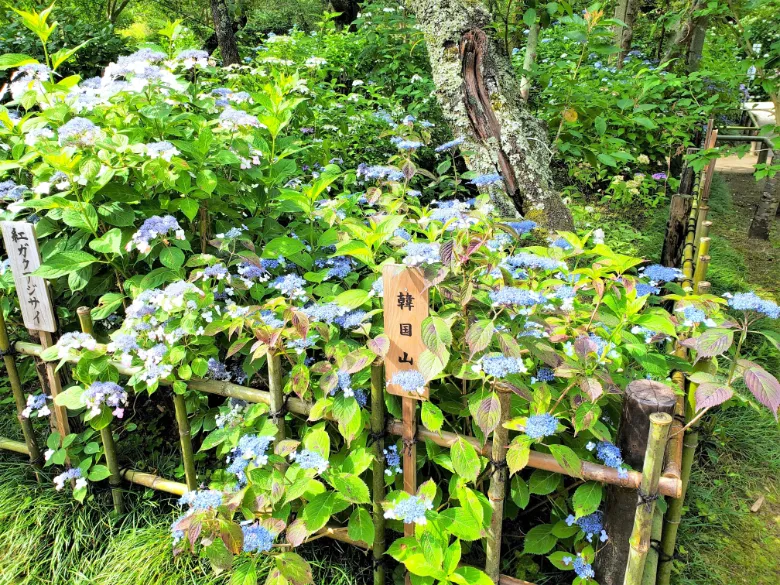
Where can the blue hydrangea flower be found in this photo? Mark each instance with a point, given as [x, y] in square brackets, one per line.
[250, 273]
[643, 289]
[484, 180]
[402, 233]
[528, 260]
[378, 287]
[418, 254]
[351, 320]
[583, 569]
[561, 243]
[410, 381]
[449, 145]
[541, 425]
[658, 274]
[410, 510]
[36, 403]
[218, 271]
[500, 366]
[152, 228]
[749, 301]
[325, 313]
[201, 499]
[217, 370]
[543, 375]
[256, 538]
[404, 144]
[164, 150]
[290, 285]
[232, 119]
[310, 460]
[522, 227]
[610, 455]
[392, 460]
[271, 320]
[79, 132]
[110, 394]
[10, 191]
[592, 525]
[250, 449]
[73, 473]
[510, 296]
[339, 267]
[378, 172]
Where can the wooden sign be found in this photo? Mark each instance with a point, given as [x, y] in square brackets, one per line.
[34, 300]
[405, 308]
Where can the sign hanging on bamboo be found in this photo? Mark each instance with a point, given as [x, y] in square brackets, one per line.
[24, 256]
[405, 308]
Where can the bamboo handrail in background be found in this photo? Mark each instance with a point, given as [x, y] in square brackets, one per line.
[378, 430]
[15, 446]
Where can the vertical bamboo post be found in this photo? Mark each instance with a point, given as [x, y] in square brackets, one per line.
[16, 388]
[106, 436]
[378, 430]
[699, 233]
[674, 512]
[642, 399]
[648, 492]
[497, 492]
[704, 287]
[277, 393]
[409, 419]
[651, 566]
[188, 458]
[702, 262]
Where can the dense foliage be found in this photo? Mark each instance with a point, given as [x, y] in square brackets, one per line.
[216, 218]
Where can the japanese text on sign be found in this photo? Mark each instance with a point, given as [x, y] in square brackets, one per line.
[34, 301]
[405, 308]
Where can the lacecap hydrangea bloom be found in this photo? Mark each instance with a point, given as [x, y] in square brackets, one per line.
[541, 425]
[592, 525]
[250, 449]
[410, 510]
[749, 301]
[509, 296]
[584, 570]
[610, 455]
[410, 381]
[310, 460]
[660, 274]
[257, 538]
[392, 460]
[418, 254]
[500, 366]
[484, 180]
[199, 500]
[79, 132]
[73, 473]
[153, 228]
[36, 403]
[110, 394]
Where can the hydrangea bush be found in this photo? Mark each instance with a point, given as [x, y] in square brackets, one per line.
[180, 202]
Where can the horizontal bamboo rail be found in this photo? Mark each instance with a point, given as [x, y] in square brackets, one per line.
[153, 481]
[15, 446]
[669, 486]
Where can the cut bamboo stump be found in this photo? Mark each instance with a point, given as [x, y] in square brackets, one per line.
[642, 399]
[645, 499]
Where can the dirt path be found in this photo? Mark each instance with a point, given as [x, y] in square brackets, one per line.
[762, 258]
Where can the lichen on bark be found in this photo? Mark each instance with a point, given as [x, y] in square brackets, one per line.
[480, 97]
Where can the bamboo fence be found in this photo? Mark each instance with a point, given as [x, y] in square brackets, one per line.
[655, 479]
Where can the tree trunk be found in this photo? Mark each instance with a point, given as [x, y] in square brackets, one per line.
[223, 27]
[625, 11]
[696, 47]
[480, 98]
[529, 60]
[680, 46]
[767, 208]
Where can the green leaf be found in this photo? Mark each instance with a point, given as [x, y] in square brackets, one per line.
[432, 416]
[607, 160]
[518, 453]
[519, 492]
[189, 207]
[361, 526]
[587, 498]
[108, 243]
[318, 511]
[352, 299]
[657, 322]
[460, 524]
[294, 568]
[466, 575]
[479, 335]
[72, 398]
[206, 180]
[601, 125]
[64, 263]
[108, 303]
[244, 574]
[98, 473]
[436, 335]
[540, 540]
[351, 487]
[282, 246]
[529, 17]
[14, 60]
[172, 257]
[568, 459]
[465, 460]
[543, 482]
[488, 414]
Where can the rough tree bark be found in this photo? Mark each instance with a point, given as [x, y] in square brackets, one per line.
[481, 101]
[686, 31]
[625, 11]
[223, 27]
[767, 207]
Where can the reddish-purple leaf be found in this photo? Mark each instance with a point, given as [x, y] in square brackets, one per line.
[446, 252]
[764, 387]
[380, 345]
[592, 387]
[584, 346]
[713, 342]
[710, 394]
[297, 532]
[488, 414]
[479, 335]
